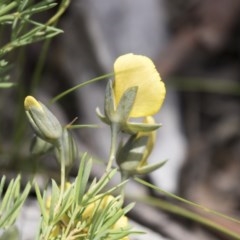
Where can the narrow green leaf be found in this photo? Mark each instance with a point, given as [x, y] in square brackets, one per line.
[82, 178]
[173, 196]
[12, 212]
[37, 8]
[104, 180]
[65, 206]
[128, 208]
[115, 188]
[54, 200]
[42, 203]
[196, 217]
[6, 197]
[22, 5]
[3, 179]
[5, 9]
[15, 210]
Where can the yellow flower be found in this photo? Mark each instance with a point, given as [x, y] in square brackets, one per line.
[137, 70]
[103, 203]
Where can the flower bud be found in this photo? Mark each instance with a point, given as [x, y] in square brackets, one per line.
[133, 155]
[43, 122]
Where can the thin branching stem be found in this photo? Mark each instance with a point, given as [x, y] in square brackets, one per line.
[63, 7]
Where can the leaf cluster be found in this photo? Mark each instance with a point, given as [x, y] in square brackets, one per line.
[19, 26]
[11, 202]
[79, 214]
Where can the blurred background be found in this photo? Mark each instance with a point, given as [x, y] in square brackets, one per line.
[195, 45]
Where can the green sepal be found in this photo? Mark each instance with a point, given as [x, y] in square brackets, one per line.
[134, 127]
[130, 155]
[39, 146]
[109, 104]
[150, 168]
[126, 103]
[68, 147]
[121, 113]
[102, 117]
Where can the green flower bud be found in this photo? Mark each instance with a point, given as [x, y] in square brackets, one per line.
[133, 155]
[43, 122]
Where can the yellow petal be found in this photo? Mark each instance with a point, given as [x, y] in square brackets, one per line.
[137, 70]
[150, 143]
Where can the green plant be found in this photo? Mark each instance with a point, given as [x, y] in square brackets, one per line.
[85, 208]
[19, 28]
[73, 210]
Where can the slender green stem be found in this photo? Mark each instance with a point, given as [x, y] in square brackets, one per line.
[40, 65]
[63, 176]
[124, 177]
[169, 207]
[114, 137]
[52, 21]
[205, 209]
[5, 18]
[80, 85]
